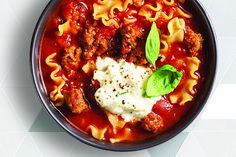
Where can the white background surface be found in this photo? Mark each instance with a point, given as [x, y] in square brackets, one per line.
[27, 130]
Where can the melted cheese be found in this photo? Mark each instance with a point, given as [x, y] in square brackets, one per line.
[122, 87]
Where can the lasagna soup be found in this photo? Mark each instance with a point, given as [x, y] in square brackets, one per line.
[122, 70]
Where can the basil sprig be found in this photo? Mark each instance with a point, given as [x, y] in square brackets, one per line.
[152, 46]
[165, 79]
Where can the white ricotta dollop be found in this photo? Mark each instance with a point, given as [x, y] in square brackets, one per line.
[122, 87]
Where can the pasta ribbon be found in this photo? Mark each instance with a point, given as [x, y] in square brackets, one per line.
[169, 2]
[104, 9]
[132, 19]
[165, 16]
[109, 22]
[165, 44]
[122, 138]
[149, 12]
[163, 50]
[115, 121]
[56, 94]
[176, 30]
[65, 27]
[185, 95]
[97, 133]
[182, 14]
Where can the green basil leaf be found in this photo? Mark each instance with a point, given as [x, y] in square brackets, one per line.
[163, 81]
[152, 47]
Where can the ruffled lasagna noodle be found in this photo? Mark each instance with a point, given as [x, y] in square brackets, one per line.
[65, 27]
[165, 16]
[176, 30]
[104, 10]
[130, 18]
[150, 12]
[176, 34]
[115, 121]
[97, 133]
[125, 136]
[182, 14]
[56, 94]
[169, 2]
[187, 90]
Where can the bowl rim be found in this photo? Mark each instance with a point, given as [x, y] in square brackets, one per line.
[39, 85]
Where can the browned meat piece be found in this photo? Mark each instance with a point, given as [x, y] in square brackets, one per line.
[75, 100]
[71, 58]
[89, 34]
[102, 45]
[152, 122]
[138, 3]
[193, 41]
[88, 40]
[92, 44]
[138, 56]
[129, 35]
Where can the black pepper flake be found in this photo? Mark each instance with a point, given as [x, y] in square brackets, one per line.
[127, 76]
[123, 101]
[114, 90]
[121, 86]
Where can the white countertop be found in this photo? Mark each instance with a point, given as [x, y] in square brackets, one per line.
[27, 130]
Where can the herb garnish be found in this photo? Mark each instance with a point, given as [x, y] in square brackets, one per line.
[118, 94]
[152, 46]
[165, 79]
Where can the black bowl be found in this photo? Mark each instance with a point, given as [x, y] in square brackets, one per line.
[209, 48]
